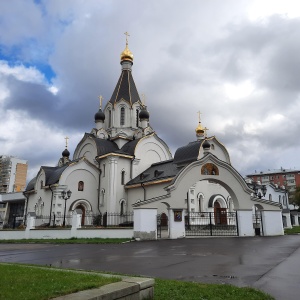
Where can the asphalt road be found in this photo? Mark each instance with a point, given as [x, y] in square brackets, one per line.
[271, 264]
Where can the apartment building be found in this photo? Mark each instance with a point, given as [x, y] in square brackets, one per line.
[13, 173]
[289, 178]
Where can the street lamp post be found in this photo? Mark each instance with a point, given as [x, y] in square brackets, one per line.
[65, 195]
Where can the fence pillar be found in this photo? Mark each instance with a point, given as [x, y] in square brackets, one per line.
[145, 223]
[296, 220]
[272, 222]
[76, 220]
[244, 222]
[30, 221]
[176, 223]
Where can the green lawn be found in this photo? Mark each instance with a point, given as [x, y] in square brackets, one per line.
[36, 283]
[65, 241]
[294, 230]
[27, 282]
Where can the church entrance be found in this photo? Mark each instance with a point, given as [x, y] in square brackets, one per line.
[220, 214]
[80, 209]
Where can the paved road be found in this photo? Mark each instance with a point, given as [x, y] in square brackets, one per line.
[271, 264]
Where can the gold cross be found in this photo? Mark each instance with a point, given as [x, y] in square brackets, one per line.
[205, 131]
[127, 35]
[144, 99]
[199, 113]
[100, 98]
[66, 138]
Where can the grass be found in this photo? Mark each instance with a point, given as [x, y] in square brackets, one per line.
[65, 241]
[180, 290]
[29, 282]
[294, 230]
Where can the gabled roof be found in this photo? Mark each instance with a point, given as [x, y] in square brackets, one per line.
[125, 89]
[157, 172]
[52, 175]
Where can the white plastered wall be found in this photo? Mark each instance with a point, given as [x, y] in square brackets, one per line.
[149, 150]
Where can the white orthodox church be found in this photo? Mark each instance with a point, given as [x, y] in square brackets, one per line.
[123, 165]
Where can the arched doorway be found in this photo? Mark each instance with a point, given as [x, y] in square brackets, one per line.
[220, 214]
[80, 209]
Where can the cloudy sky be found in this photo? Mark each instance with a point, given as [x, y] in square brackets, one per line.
[236, 61]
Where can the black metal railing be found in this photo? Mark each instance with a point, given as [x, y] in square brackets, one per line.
[211, 224]
[107, 219]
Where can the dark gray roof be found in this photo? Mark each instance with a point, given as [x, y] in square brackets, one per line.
[129, 147]
[158, 171]
[104, 146]
[52, 175]
[188, 153]
[31, 184]
[125, 89]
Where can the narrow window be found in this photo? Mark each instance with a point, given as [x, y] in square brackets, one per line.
[80, 186]
[123, 177]
[109, 118]
[42, 183]
[103, 170]
[122, 116]
[122, 208]
[137, 118]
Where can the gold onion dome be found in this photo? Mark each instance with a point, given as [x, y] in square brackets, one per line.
[199, 129]
[127, 54]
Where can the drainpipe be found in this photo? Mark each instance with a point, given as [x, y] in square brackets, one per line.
[99, 186]
[50, 204]
[142, 185]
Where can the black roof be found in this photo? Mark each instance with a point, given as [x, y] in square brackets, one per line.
[158, 171]
[52, 175]
[104, 146]
[125, 89]
[30, 185]
[129, 147]
[188, 153]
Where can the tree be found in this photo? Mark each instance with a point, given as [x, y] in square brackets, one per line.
[295, 197]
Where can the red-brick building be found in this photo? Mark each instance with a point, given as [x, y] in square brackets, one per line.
[283, 177]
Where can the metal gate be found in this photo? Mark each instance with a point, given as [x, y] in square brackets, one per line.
[218, 223]
[162, 224]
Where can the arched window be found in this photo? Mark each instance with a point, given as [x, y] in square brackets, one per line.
[212, 147]
[122, 207]
[102, 197]
[80, 186]
[279, 198]
[103, 170]
[270, 197]
[122, 116]
[200, 202]
[42, 184]
[123, 177]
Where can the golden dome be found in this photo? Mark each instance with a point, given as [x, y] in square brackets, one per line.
[199, 129]
[126, 54]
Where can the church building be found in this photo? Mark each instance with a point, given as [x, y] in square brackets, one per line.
[122, 164]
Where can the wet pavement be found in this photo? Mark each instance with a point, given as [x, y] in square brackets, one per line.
[271, 264]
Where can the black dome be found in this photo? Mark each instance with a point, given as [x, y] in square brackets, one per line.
[144, 114]
[206, 145]
[65, 153]
[100, 116]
